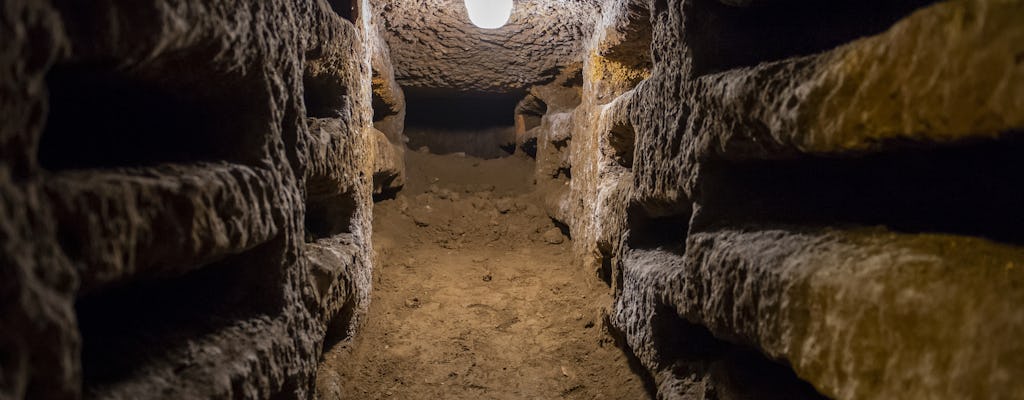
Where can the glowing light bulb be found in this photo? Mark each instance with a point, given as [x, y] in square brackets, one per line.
[489, 14]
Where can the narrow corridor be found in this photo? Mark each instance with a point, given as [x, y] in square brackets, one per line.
[476, 296]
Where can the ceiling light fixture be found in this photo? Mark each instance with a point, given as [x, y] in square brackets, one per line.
[489, 14]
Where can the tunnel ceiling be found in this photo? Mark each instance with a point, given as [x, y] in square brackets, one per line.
[434, 45]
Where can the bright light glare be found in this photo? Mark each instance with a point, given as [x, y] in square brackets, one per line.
[489, 14]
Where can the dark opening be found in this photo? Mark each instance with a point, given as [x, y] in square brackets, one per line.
[383, 188]
[531, 121]
[381, 107]
[619, 337]
[563, 227]
[674, 338]
[125, 328]
[482, 143]
[530, 147]
[734, 372]
[347, 9]
[968, 189]
[449, 121]
[574, 80]
[338, 326]
[665, 230]
[622, 140]
[610, 270]
[604, 271]
[103, 119]
[327, 216]
[453, 109]
[564, 172]
[724, 37]
[325, 96]
[532, 109]
[291, 389]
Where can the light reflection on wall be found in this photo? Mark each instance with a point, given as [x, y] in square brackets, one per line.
[489, 14]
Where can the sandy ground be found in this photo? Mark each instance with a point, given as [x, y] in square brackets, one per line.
[476, 297]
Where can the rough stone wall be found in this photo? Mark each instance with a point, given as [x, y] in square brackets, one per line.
[784, 190]
[388, 114]
[186, 190]
[584, 139]
[435, 46]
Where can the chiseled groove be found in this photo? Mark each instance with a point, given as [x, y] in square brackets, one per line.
[162, 221]
[244, 353]
[860, 313]
[843, 100]
[138, 33]
[838, 102]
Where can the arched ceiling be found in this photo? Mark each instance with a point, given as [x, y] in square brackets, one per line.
[434, 45]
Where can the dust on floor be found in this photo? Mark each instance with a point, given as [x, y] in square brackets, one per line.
[476, 296]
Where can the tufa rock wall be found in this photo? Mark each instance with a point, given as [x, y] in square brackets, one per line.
[793, 199]
[435, 46]
[186, 191]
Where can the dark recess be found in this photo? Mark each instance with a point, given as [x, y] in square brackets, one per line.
[125, 328]
[605, 271]
[102, 119]
[345, 8]
[971, 189]
[665, 229]
[724, 37]
[383, 188]
[327, 216]
[735, 372]
[532, 109]
[381, 108]
[484, 143]
[622, 140]
[610, 270]
[563, 228]
[531, 121]
[530, 147]
[338, 326]
[565, 172]
[509, 148]
[650, 386]
[325, 96]
[450, 121]
[576, 80]
[455, 110]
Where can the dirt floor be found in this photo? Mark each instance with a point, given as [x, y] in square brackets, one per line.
[476, 297]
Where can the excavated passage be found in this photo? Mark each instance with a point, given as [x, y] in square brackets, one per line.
[476, 296]
[449, 121]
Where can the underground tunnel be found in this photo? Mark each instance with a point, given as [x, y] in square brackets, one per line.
[512, 199]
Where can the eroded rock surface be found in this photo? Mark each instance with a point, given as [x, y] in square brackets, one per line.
[435, 45]
[830, 193]
[787, 199]
[186, 194]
